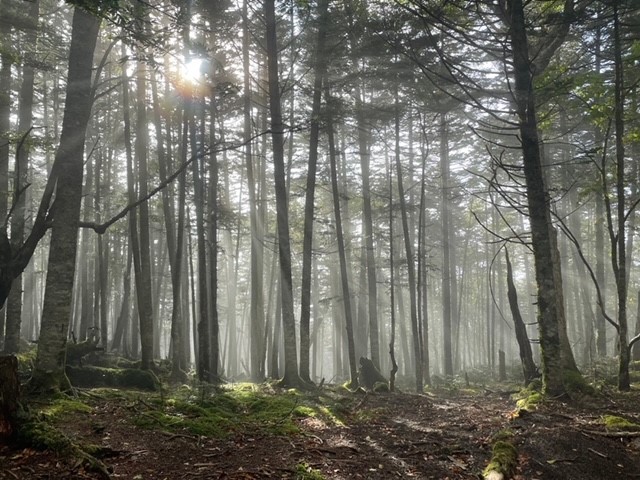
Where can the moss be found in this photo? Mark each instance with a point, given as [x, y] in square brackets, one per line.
[614, 423]
[504, 458]
[305, 472]
[235, 408]
[530, 402]
[63, 406]
[574, 383]
[40, 434]
[505, 434]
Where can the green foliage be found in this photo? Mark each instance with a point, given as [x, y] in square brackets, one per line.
[305, 472]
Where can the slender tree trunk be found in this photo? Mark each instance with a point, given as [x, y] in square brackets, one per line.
[143, 280]
[256, 317]
[291, 376]
[320, 68]
[392, 297]
[25, 119]
[447, 301]
[344, 279]
[618, 246]
[526, 355]
[365, 158]
[417, 352]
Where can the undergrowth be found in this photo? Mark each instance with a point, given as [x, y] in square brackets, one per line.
[235, 408]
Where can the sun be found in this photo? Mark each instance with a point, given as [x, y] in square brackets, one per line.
[190, 79]
[191, 72]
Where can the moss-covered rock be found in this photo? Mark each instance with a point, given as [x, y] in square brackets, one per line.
[619, 424]
[91, 377]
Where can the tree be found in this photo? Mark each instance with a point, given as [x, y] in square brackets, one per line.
[556, 358]
[18, 218]
[291, 375]
[49, 371]
[320, 69]
[417, 345]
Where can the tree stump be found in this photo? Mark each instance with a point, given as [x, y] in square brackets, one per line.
[369, 375]
[9, 394]
[502, 366]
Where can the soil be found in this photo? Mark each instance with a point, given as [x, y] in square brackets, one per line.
[385, 436]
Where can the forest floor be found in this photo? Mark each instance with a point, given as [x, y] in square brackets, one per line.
[332, 434]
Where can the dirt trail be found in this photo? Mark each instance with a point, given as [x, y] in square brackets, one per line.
[383, 436]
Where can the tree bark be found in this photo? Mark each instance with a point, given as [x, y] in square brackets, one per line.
[48, 371]
[555, 359]
[411, 271]
[9, 395]
[344, 279]
[291, 376]
[25, 120]
[320, 68]
[526, 355]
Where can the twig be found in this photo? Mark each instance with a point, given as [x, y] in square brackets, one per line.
[598, 453]
[614, 434]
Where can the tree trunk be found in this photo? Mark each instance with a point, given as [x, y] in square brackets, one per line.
[48, 371]
[143, 277]
[417, 352]
[618, 242]
[367, 215]
[320, 68]
[291, 376]
[256, 317]
[526, 355]
[555, 359]
[447, 300]
[25, 119]
[9, 395]
[344, 279]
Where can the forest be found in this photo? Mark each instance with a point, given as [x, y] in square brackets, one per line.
[319, 239]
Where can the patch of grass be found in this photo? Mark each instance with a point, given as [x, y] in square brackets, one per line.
[504, 458]
[618, 424]
[305, 472]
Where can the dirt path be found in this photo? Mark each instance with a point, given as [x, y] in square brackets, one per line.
[381, 436]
